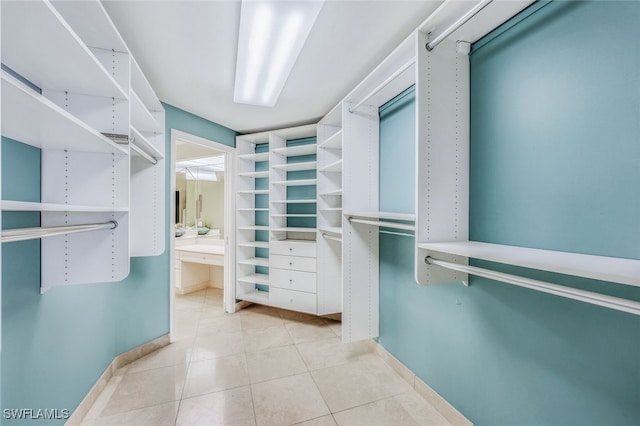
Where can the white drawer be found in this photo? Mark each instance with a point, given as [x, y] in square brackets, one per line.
[292, 280]
[293, 248]
[209, 259]
[293, 263]
[294, 300]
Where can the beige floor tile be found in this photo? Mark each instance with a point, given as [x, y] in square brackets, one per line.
[216, 375]
[359, 382]
[186, 326]
[287, 401]
[230, 407]
[258, 339]
[308, 332]
[257, 320]
[222, 324]
[421, 411]
[295, 317]
[212, 311]
[336, 326]
[158, 415]
[208, 346]
[320, 421]
[189, 303]
[274, 363]
[331, 352]
[147, 388]
[99, 405]
[175, 353]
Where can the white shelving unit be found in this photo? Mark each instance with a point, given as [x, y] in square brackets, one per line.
[78, 95]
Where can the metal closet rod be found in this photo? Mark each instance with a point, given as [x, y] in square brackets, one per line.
[11, 235]
[460, 22]
[331, 237]
[383, 84]
[610, 302]
[381, 223]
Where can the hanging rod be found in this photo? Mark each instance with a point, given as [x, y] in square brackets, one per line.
[331, 237]
[401, 234]
[383, 84]
[143, 154]
[610, 302]
[460, 22]
[383, 224]
[11, 235]
[118, 138]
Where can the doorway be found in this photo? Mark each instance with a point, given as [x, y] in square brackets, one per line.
[202, 225]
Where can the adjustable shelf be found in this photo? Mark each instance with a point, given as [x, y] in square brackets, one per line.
[255, 261]
[331, 209]
[409, 217]
[618, 270]
[255, 279]
[260, 156]
[297, 229]
[331, 230]
[143, 89]
[294, 215]
[294, 151]
[252, 228]
[334, 193]
[27, 206]
[141, 117]
[47, 52]
[257, 296]
[258, 175]
[335, 167]
[144, 144]
[255, 244]
[333, 142]
[296, 167]
[31, 118]
[252, 209]
[253, 192]
[297, 182]
[310, 201]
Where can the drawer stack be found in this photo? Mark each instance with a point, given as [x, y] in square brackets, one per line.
[292, 275]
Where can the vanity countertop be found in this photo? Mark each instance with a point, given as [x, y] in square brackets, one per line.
[203, 248]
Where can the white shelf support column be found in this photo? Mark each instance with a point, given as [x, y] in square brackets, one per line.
[442, 155]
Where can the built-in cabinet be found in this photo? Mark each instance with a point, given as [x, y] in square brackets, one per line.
[71, 88]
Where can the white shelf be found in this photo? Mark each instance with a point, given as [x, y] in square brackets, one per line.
[264, 174]
[335, 167]
[624, 271]
[331, 209]
[253, 228]
[141, 118]
[334, 142]
[31, 118]
[336, 192]
[294, 215]
[255, 279]
[143, 143]
[331, 230]
[293, 151]
[143, 89]
[309, 230]
[259, 156]
[410, 217]
[295, 167]
[27, 206]
[256, 296]
[296, 182]
[310, 201]
[47, 52]
[255, 244]
[254, 191]
[253, 209]
[255, 261]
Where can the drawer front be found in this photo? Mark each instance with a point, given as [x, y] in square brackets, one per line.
[293, 300]
[292, 280]
[293, 248]
[293, 263]
[209, 259]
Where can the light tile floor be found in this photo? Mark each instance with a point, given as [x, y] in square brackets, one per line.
[259, 366]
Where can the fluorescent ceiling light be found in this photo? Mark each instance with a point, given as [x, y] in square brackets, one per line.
[272, 33]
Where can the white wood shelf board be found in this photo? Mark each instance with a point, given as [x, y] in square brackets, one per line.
[27, 206]
[295, 167]
[308, 230]
[31, 118]
[259, 156]
[47, 52]
[331, 209]
[141, 118]
[298, 132]
[252, 209]
[335, 167]
[255, 296]
[409, 217]
[141, 86]
[256, 261]
[254, 191]
[255, 279]
[256, 244]
[264, 174]
[618, 270]
[333, 230]
[336, 192]
[143, 143]
[294, 215]
[253, 228]
[296, 182]
[311, 201]
[334, 142]
[293, 151]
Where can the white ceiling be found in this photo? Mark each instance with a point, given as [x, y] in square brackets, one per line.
[187, 50]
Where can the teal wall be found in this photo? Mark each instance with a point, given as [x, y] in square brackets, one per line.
[554, 164]
[55, 346]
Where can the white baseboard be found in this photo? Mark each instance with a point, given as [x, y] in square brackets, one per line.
[118, 362]
[447, 410]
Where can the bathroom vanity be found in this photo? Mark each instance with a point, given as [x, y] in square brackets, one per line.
[199, 262]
